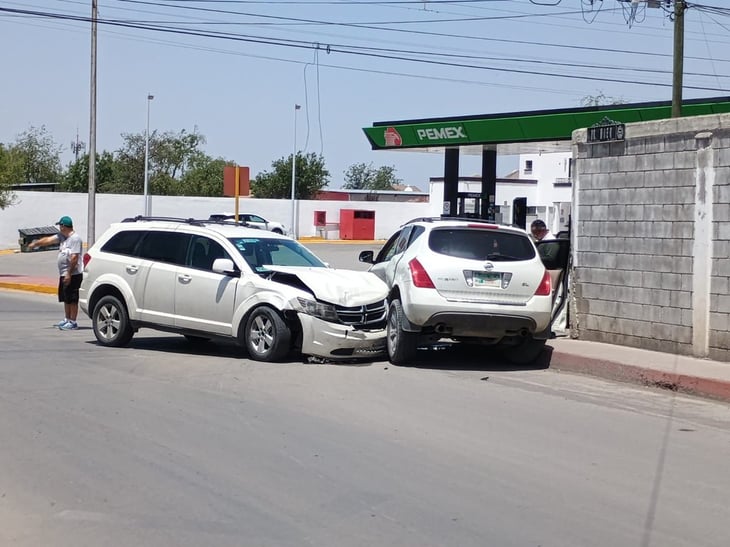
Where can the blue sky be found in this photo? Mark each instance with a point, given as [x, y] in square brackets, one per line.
[241, 94]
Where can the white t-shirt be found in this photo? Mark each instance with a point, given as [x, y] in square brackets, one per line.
[68, 246]
[548, 236]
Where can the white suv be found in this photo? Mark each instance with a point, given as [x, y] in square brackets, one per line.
[205, 279]
[466, 281]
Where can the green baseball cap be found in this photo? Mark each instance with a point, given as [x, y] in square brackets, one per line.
[66, 221]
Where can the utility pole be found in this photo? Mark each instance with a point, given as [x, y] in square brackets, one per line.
[294, 230]
[147, 204]
[679, 8]
[91, 218]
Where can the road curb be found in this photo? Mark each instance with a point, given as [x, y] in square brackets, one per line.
[31, 287]
[612, 370]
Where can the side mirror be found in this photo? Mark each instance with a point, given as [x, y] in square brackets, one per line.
[225, 266]
[367, 256]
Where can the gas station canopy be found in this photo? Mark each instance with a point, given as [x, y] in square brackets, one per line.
[516, 133]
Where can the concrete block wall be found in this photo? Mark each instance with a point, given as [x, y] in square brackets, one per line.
[651, 237]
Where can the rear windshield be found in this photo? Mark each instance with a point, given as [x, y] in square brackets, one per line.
[481, 244]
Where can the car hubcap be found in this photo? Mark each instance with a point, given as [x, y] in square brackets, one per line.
[108, 322]
[262, 334]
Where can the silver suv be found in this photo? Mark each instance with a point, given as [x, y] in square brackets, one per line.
[207, 279]
[464, 280]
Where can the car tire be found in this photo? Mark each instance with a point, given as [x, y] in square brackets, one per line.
[277, 231]
[400, 343]
[267, 336]
[526, 352]
[110, 322]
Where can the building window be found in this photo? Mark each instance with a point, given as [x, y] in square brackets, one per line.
[528, 167]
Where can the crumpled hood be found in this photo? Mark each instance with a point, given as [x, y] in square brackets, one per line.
[342, 287]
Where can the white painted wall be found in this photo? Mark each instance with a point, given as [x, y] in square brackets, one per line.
[36, 209]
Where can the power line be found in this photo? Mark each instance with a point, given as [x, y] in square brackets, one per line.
[428, 33]
[339, 23]
[348, 50]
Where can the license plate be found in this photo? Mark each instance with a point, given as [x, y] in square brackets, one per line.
[487, 279]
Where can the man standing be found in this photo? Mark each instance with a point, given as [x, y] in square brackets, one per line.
[70, 269]
[539, 231]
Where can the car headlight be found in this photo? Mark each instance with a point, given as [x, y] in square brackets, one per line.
[317, 309]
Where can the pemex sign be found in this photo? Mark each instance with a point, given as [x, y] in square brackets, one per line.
[427, 134]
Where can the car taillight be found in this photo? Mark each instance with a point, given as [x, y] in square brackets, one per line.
[419, 275]
[545, 288]
[87, 259]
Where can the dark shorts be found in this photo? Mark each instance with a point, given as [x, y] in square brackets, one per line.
[69, 294]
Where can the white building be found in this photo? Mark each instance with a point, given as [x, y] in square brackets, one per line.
[544, 180]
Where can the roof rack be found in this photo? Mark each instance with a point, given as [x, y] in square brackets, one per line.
[163, 219]
[191, 221]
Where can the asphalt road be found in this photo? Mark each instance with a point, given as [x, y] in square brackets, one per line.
[167, 444]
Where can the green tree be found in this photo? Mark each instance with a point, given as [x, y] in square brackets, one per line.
[129, 164]
[311, 177]
[40, 155]
[174, 153]
[362, 176]
[33, 157]
[11, 170]
[204, 176]
[76, 177]
[171, 156]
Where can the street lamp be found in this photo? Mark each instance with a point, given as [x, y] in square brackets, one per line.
[147, 205]
[294, 174]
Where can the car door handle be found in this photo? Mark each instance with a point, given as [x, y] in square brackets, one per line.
[184, 278]
[132, 269]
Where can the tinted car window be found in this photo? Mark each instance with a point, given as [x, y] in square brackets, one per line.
[123, 243]
[203, 251]
[169, 247]
[417, 231]
[258, 252]
[388, 250]
[480, 244]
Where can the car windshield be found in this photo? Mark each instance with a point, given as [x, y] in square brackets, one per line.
[259, 252]
[481, 244]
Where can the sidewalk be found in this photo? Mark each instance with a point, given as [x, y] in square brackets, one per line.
[701, 377]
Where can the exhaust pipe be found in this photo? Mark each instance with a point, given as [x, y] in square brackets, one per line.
[442, 329]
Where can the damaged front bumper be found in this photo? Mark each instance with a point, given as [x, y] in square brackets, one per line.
[336, 340]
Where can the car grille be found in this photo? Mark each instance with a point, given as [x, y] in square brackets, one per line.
[368, 316]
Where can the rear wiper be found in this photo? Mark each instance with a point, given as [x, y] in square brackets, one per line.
[502, 256]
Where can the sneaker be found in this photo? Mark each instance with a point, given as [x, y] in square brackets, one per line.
[61, 322]
[69, 325]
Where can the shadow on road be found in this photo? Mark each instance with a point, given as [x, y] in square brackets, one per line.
[442, 357]
[178, 344]
[476, 358]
